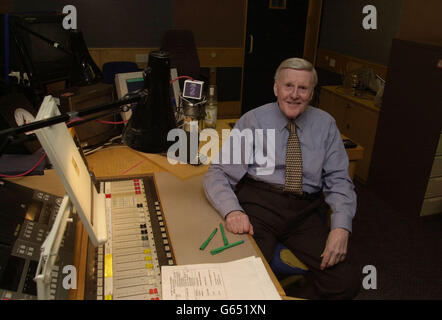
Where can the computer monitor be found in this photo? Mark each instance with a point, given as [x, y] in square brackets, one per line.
[128, 82]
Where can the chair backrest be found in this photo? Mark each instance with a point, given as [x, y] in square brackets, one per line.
[285, 262]
[183, 54]
[110, 69]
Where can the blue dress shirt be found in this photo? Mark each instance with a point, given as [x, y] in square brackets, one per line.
[325, 161]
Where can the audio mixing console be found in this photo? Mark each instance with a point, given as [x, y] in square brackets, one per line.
[26, 217]
[128, 265]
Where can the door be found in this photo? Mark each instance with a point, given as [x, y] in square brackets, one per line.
[272, 35]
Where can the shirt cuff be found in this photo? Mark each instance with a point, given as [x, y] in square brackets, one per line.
[341, 220]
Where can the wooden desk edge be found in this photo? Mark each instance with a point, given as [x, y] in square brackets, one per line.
[275, 281]
[79, 261]
[269, 270]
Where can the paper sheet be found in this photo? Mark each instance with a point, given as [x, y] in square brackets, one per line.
[244, 279]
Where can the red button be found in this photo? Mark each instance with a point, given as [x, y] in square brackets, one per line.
[108, 195]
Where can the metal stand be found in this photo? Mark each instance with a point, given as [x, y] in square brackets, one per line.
[194, 111]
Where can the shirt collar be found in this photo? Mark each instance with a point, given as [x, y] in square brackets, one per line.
[281, 120]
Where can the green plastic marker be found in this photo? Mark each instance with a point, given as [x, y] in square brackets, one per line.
[226, 242]
[204, 245]
[218, 250]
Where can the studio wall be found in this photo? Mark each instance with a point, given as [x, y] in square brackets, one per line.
[342, 30]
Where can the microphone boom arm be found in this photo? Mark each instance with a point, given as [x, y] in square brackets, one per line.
[7, 136]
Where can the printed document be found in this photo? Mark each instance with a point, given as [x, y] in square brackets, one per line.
[244, 279]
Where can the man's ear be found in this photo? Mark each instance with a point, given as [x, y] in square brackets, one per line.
[275, 89]
[312, 94]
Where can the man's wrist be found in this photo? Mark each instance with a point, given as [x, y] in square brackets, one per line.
[234, 212]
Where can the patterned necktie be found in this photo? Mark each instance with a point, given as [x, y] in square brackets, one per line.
[293, 163]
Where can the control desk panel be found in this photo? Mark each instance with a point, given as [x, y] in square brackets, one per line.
[128, 265]
[26, 217]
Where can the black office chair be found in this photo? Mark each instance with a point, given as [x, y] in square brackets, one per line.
[110, 69]
[286, 266]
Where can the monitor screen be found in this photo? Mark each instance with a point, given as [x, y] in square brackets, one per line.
[193, 89]
[134, 84]
[128, 82]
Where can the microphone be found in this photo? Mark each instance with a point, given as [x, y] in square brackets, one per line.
[153, 116]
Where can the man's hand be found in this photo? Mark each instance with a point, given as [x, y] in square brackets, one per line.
[335, 248]
[238, 222]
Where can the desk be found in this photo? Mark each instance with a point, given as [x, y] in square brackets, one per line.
[186, 234]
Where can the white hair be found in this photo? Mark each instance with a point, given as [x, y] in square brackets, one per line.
[297, 64]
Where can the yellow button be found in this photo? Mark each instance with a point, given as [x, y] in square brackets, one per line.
[149, 266]
[148, 258]
[108, 297]
[147, 251]
[108, 271]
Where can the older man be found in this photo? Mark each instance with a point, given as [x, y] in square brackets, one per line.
[310, 166]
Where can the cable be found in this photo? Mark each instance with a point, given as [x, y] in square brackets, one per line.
[134, 166]
[97, 120]
[180, 77]
[74, 120]
[107, 144]
[112, 122]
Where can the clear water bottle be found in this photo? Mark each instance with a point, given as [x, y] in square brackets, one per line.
[211, 108]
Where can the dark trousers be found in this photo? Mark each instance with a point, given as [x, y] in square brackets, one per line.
[298, 223]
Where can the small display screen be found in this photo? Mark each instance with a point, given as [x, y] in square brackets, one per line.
[193, 89]
[134, 84]
[34, 210]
